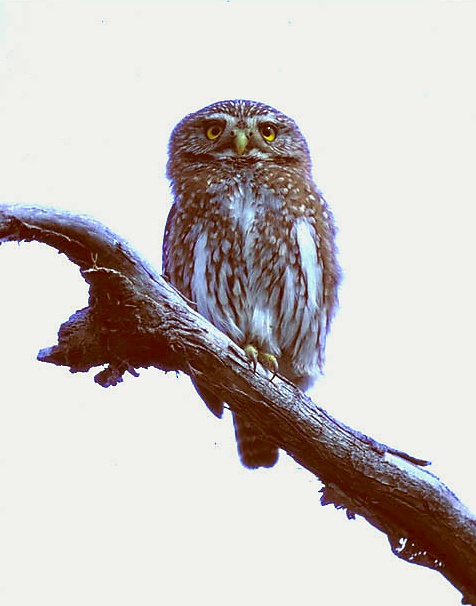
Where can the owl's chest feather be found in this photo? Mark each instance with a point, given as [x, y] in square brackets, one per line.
[243, 211]
[258, 277]
[253, 221]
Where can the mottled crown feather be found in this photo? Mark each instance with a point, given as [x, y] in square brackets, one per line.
[243, 108]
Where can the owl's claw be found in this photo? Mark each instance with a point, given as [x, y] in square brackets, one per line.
[266, 359]
[269, 361]
[252, 355]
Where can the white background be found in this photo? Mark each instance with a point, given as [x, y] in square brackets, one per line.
[134, 495]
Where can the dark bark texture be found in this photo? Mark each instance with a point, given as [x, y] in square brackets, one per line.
[135, 319]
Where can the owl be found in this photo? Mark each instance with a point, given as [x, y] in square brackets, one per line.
[251, 241]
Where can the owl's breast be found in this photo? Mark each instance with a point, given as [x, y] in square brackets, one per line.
[248, 254]
[256, 228]
[225, 277]
[257, 277]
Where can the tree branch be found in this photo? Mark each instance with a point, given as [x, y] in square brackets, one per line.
[135, 319]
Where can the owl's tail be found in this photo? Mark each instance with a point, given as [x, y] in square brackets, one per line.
[253, 447]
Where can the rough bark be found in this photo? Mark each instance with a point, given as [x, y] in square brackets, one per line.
[135, 319]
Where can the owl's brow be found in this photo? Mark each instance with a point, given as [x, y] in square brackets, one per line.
[225, 116]
[215, 116]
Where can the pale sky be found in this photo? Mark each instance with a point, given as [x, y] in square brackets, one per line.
[135, 495]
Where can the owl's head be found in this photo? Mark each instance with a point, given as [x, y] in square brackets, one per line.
[239, 131]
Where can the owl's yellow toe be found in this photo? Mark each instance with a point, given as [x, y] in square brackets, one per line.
[269, 362]
[252, 355]
[266, 359]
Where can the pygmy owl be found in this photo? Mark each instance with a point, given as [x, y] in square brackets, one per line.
[251, 241]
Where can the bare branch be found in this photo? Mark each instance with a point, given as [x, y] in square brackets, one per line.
[135, 319]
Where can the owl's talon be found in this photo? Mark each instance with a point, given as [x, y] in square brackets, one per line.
[270, 363]
[266, 359]
[252, 355]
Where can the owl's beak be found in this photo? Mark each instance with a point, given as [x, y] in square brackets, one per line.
[241, 140]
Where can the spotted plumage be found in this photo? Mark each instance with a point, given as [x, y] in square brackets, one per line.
[251, 241]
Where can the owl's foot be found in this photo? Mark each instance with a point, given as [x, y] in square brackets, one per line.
[269, 361]
[266, 359]
[252, 355]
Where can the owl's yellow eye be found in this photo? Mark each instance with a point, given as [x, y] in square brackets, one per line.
[214, 131]
[268, 132]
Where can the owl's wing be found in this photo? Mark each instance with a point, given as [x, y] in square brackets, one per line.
[168, 240]
[214, 404]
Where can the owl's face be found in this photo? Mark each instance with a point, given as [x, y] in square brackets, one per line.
[242, 132]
